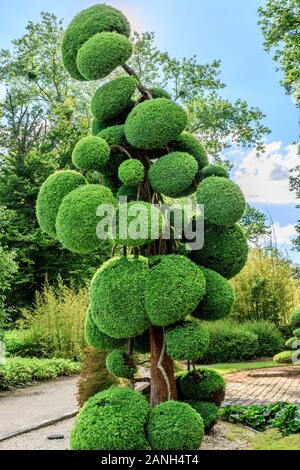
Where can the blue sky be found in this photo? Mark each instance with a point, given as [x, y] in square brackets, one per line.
[212, 29]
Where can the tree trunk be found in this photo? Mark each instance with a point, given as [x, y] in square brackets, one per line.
[163, 385]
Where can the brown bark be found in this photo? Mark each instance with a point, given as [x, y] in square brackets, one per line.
[163, 385]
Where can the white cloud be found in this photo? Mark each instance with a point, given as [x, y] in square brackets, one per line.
[283, 235]
[265, 179]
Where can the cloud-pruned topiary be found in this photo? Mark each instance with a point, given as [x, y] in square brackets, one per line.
[131, 172]
[117, 297]
[91, 153]
[101, 54]
[173, 174]
[112, 420]
[208, 411]
[295, 319]
[51, 194]
[153, 123]
[219, 298]
[296, 332]
[225, 250]
[112, 98]
[215, 170]
[174, 425]
[77, 220]
[120, 364]
[201, 385]
[88, 22]
[94, 337]
[187, 341]
[223, 200]
[188, 143]
[173, 289]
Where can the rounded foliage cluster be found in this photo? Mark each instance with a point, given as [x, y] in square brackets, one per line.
[91, 153]
[219, 298]
[215, 170]
[158, 92]
[153, 123]
[173, 174]
[112, 98]
[94, 337]
[290, 342]
[174, 425]
[101, 54]
[117, 297]
[111, 420]
[225, 250]
[88, 22]
[173, 289]
[201, 385]
[127, 191]
[284, 357]
[296, 332]
[295, 319]
[77, 220]
[187, 341]
[51, 194]
[131, 172]
[120, 364]
[114, 135]
[188, 143]
[208, 411]
[223, 200]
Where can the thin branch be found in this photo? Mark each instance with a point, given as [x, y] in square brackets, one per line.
[160, 367]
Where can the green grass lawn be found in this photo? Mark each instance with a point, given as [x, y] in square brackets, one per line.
[229, 367]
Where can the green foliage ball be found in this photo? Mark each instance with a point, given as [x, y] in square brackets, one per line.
[94, 337]
[219, 298]
[76, 222]
[120, 364]
[201, 385]
[97, 126]
[173, 289]
[188, 143]
[295, 319]
[209, 412]
[91, 153]
[131, 172]
[284, 357]
[111, 420]
[127, 191]
[173, 174]
[51, 194]
[117, 297]
[112, 98]
[174, 425]
[158, 92]
[296, 333]
[225, 250]
[153, 123]
[114, 135]
[101, 54]
[187, 341]
[85, 25]
[215, 170]
[223, 200]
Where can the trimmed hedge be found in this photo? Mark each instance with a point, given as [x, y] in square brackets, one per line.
[201, 385]
[120, 364]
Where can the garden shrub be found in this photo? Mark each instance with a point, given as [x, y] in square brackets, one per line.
[201, 385]
[208, 411]
[284, 357]
[187, 341]
[296, 333]
[131, 173]
[120, 364]
[215, 170]
[91, 153]
[23, 343]
[295, 319]
[270, 340]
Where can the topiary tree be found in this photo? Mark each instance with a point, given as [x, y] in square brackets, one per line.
[151, 294]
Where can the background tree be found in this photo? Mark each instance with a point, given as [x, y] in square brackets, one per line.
[255, 224]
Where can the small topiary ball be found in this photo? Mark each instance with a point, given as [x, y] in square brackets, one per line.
[215, 170]
[153, 123]
[112, 420]
[101, 54]
[225, 250]
[219, 299]
[174, 425]
[284, 357]
[208, 411]
[51, 194]
[94, 337]
[131, 172]
[138, 223]
[173, 174]
[91, 153]
[173, 289]
[85, 25]
[187, 341]
[127, 191]
[223, 200]
[295, 319]
[120, 364]
[201, 385]
[117, 297]
[296, 333]
[112, 98]
[114, 135]
[188, 143]
[77, 220]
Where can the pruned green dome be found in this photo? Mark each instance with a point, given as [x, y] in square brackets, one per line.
[153, 123]
[215, 170]
[94, 337]
[85, 25]
[157, 92]
[120, 364]
[208, 411]
[173, 174]
[223, 200]
[51, 194]
[117, 297]
[132, 172]
[188, 143]
[91, 153]
[112, 98]
[101, 54]
[225, 250]
[114, 135]
[187, 341]
[173, 289]
[202, 384]
[114, 419]
[77, 220]
[219, 297]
